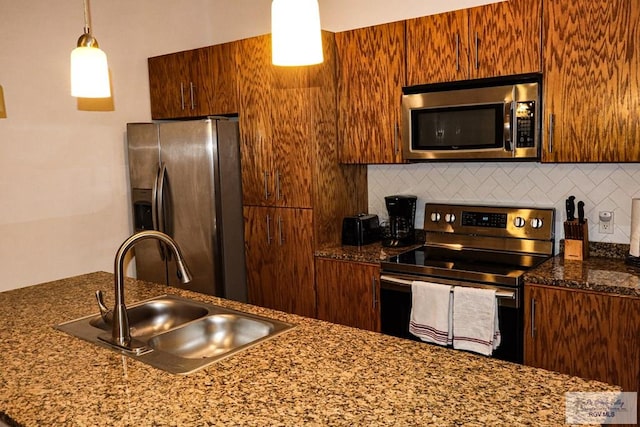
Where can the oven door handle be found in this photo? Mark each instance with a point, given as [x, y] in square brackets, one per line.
[499, 293]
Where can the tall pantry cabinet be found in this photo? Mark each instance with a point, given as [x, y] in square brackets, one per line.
[294, 189]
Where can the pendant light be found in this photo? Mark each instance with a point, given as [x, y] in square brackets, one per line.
[295, 32]
[89, 69]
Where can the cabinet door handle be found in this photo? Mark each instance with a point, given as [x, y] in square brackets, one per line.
[268, 230]
[192, 94]
[278, 193]
[373, 291]
[280, 235]
[181, 96]
[396, 139]
[551, 126]
[457, 52]
[265, 179]
[533, 317]
[477, 61]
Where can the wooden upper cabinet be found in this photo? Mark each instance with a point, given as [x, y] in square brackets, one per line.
[591, 69]
[371, 70]
[193, 83]
[505, 38]
[275, 128]
[437, 48]
[499, 39]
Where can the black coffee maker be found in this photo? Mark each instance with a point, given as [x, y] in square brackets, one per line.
[402, 215]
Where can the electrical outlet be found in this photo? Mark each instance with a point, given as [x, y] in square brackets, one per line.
[606, 222]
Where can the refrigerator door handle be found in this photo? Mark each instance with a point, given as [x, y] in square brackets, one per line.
[156, 207]
[162, 175]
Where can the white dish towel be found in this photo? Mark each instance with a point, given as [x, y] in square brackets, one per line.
[475, 320]
[431, 312]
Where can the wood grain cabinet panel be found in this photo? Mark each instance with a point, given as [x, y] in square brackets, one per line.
[591, 68]
[590, 335]
[371, 73]
[499, 39]
[294, 189]
[348, 293]
[279, 256]
[193, 83]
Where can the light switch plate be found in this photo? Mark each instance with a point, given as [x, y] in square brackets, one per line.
[3, 110]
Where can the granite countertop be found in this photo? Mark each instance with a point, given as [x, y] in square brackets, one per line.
[315, 374]
[604, 271]
[373, 253]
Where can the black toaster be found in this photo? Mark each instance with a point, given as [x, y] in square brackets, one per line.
[361, 229]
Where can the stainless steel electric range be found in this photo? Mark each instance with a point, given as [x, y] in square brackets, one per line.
[477, 246]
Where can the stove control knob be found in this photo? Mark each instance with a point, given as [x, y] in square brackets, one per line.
[519, 222]
[450, 218]
[536, 223]
[435, 216]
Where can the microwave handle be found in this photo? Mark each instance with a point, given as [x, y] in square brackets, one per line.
[510, 125]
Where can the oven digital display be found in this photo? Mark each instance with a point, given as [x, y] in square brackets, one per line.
[484, 219]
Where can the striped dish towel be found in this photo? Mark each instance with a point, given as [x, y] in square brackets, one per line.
[475, 320]
[431, 312]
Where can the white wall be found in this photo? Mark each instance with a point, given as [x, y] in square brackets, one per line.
[63, 186]
[603, 187]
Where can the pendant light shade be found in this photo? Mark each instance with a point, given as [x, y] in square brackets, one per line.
[295, 32]
[89, 68]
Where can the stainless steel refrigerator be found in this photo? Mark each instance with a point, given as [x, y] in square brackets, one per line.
[185, 181]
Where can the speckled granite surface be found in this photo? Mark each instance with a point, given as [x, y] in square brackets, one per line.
[316, 374]
[373, 253]
[603, 271]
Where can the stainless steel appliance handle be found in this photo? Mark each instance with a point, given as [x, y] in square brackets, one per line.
[268, 230]
[509, 109]
[192, 95]
[154, 211]
[499, 293]
[533, 317]
[181, 96]
[164, 253]
[551, 126]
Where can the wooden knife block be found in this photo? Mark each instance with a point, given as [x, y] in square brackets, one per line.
[577, 247]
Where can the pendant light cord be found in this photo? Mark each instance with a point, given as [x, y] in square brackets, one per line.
[87, 28]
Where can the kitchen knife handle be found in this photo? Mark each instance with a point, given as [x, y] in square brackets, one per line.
[581, 212]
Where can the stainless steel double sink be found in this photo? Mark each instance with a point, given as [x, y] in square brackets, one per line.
[181, 335]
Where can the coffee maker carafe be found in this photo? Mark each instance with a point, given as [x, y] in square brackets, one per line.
[402, 213]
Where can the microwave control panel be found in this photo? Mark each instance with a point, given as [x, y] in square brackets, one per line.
[525, 124]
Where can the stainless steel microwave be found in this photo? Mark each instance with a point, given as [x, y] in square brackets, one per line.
[491, 119]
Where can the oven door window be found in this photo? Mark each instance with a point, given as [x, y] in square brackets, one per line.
[458, 128]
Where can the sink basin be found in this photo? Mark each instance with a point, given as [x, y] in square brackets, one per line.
[214, 335]
[155, 316]
[181, 335]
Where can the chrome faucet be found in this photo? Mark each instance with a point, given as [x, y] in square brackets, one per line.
[120, 333]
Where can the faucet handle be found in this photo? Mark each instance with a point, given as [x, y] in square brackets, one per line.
[106, 314]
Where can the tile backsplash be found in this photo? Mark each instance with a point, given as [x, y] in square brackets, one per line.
[602, 187]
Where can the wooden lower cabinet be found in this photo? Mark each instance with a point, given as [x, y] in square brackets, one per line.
[348, 293]
[279, 258]
[586, 334]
